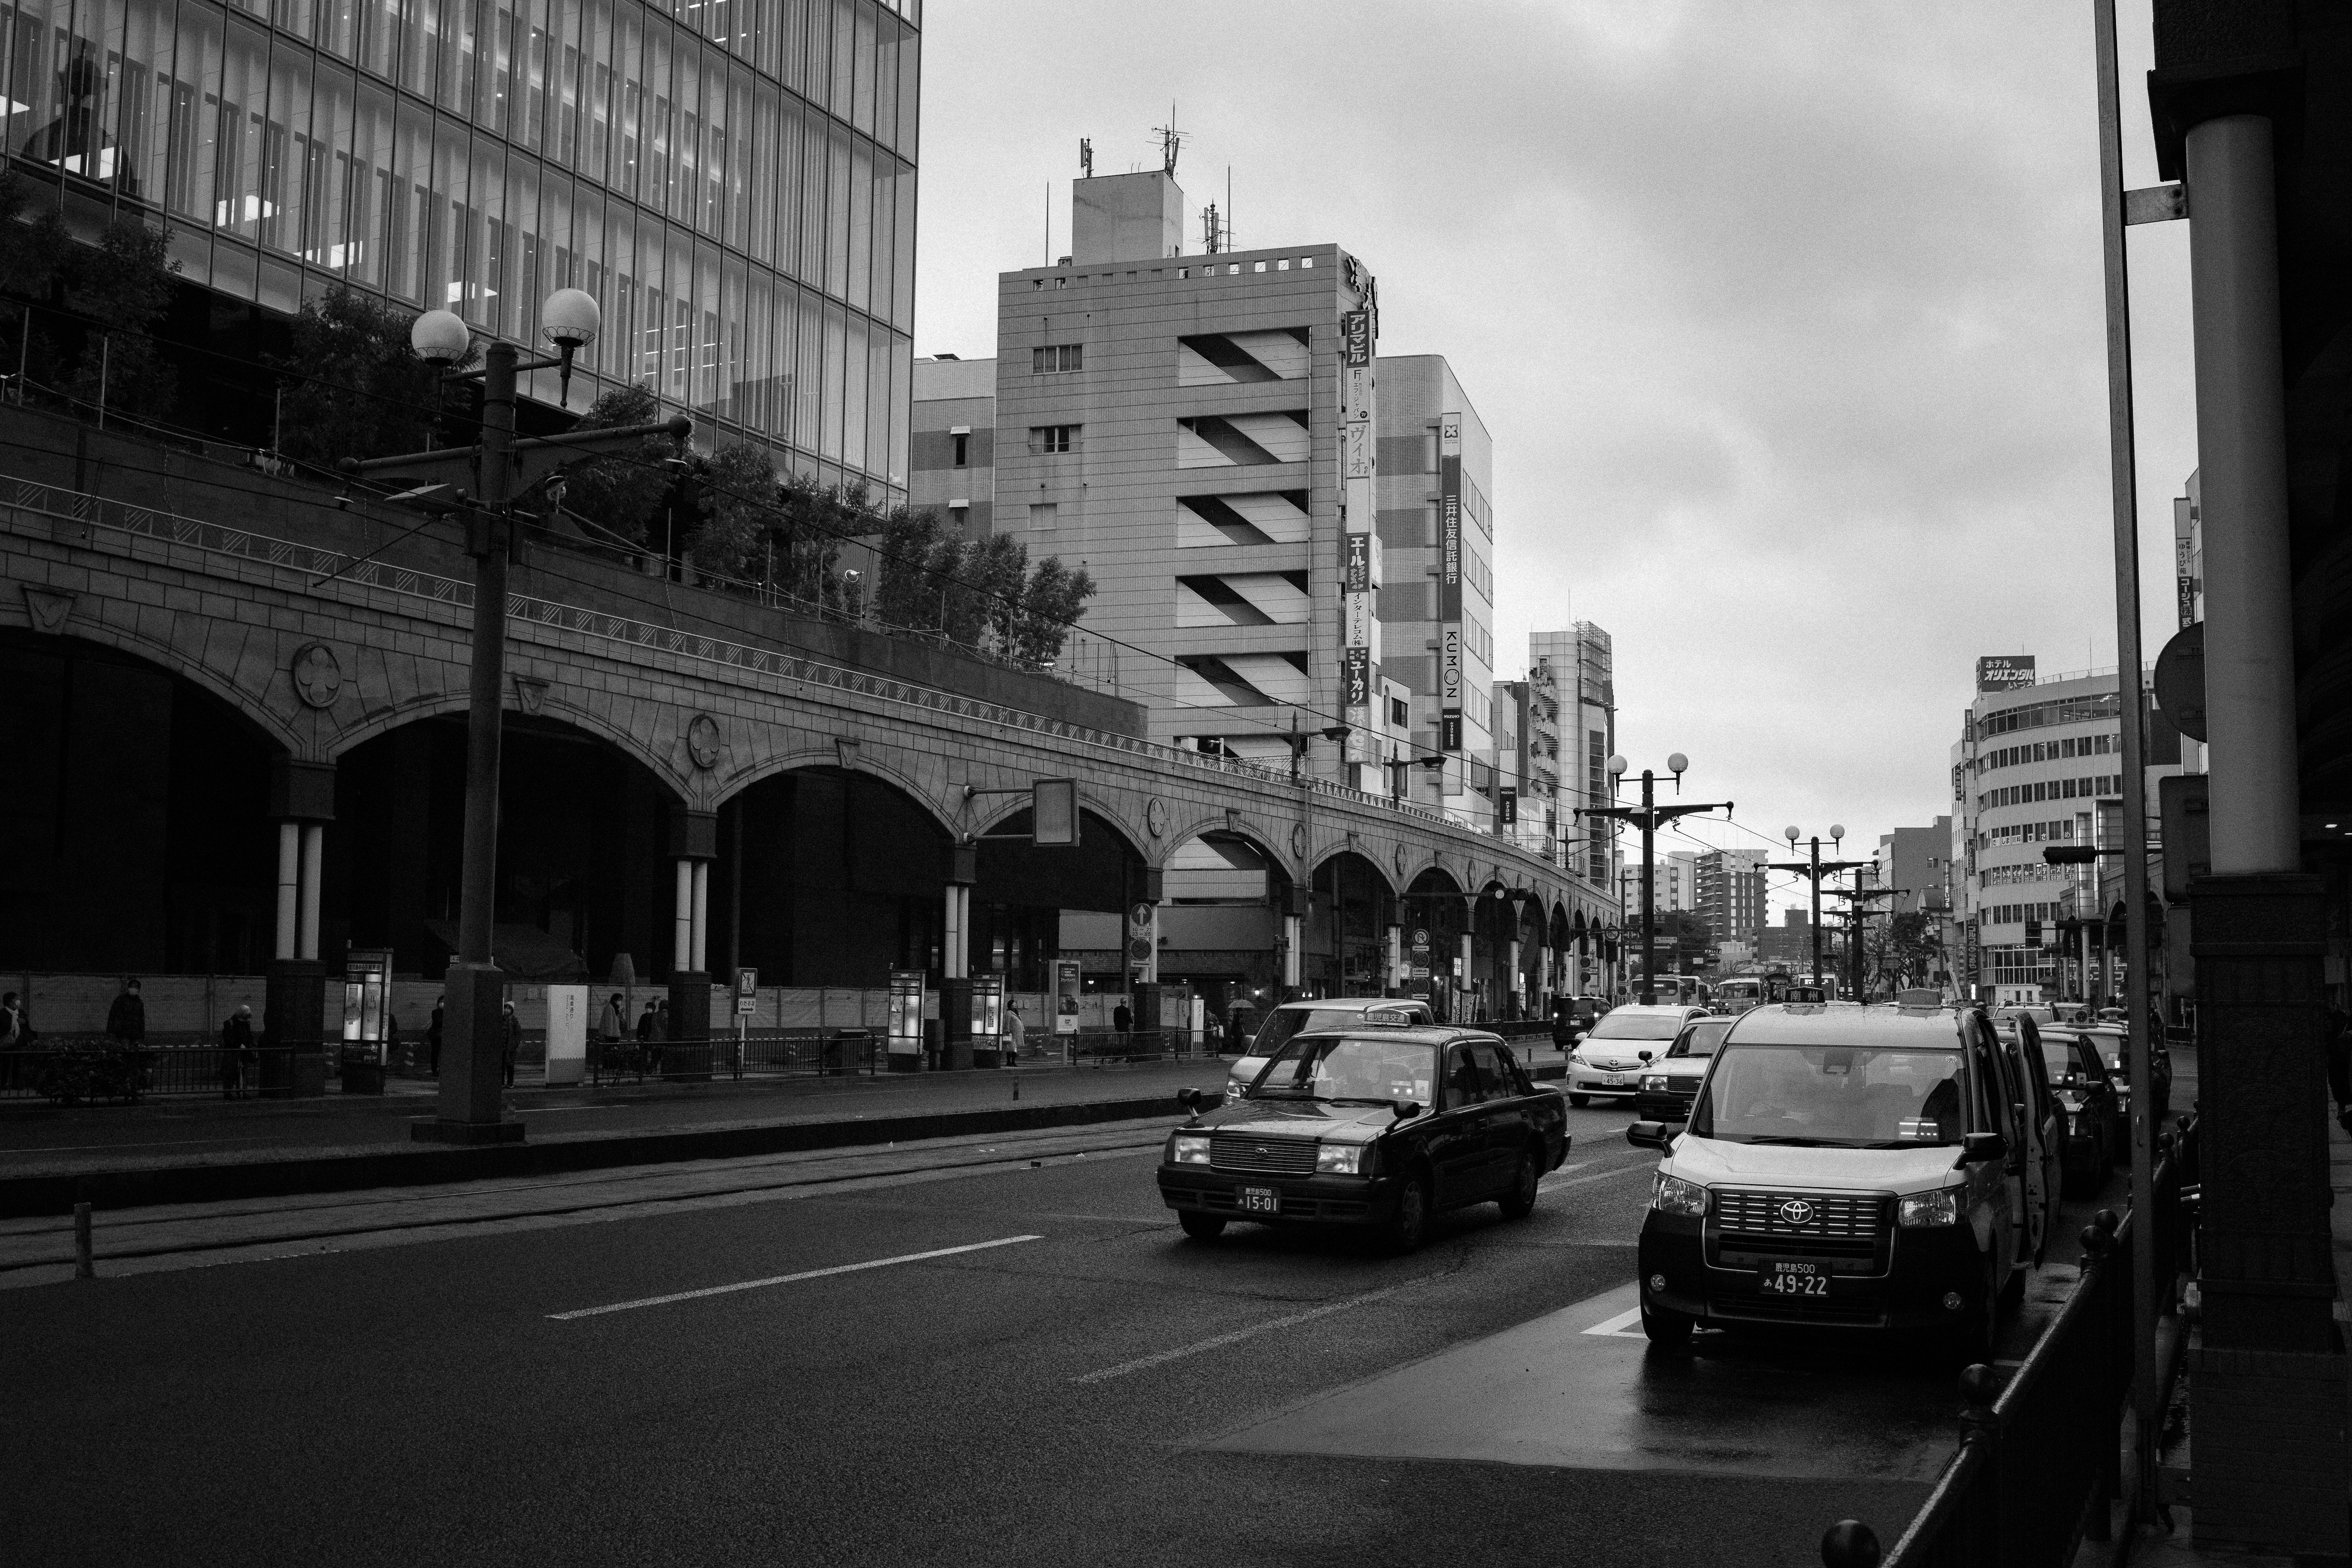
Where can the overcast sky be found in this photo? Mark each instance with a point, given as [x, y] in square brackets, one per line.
[1786, 318]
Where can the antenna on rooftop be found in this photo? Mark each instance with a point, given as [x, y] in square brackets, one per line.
[1171, 141]
[1086, 158]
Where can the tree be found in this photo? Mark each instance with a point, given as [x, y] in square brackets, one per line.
[622, 494]
[1051, 602]
[363, 393]
[106, 301]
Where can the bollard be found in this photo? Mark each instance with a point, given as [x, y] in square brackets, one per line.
[82, 1267]
[1849, 1543]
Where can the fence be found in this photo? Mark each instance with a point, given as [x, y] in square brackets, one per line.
[74, 1071]
[2038, 1460]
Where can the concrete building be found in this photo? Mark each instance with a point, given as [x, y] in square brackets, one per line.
[1678, 880]
[1580, 663]
[1790, 942]
[2037, 763]
[951, 454]
[1728, 894]
[1916, 862]
[1540, 760]
[734, 183]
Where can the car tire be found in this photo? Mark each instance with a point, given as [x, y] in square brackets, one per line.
[1202, 1226]
[1520, 1201]
[1669, 1330]
[1580, 1100]
[1408, 1222]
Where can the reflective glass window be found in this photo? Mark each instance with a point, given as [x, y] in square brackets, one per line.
[144, 95]
[293, 168]
[843, 37]
[678, 343]
[244, 108]
[876, 457]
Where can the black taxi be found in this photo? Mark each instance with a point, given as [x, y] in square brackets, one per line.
[1373, 1128]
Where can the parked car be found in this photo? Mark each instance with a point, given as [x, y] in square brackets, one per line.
[2038, 1110]
[2113, 1041]
[1609, 1058]
[1378, 1128]
[1670, 1083]
[1329, 1013]
[2097, 1133]
[1860, 1169]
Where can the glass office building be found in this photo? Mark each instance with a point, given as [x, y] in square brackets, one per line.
[734, 180]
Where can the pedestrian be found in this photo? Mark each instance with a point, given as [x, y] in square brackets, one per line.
[126, 1021]
[1237, 1030]
[433, 1033]
[390, 1038]
[509, 1039]
[1122, 1019]
[236, 1051]
[1015, 1034]
[615, 1025]
[659, 1034]
[15, 1036]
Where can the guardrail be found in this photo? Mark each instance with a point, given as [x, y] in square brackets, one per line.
[70, 1071]
[2038, 1460]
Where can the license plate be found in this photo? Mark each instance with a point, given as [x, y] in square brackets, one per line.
[1261, 1200]
[1614, 1080]
[1795, 1279]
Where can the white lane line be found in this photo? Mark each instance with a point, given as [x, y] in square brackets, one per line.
[1553, 1179]
[1614, 1327]
[1643, 1166]
[785, 1278]
[1220, 1340]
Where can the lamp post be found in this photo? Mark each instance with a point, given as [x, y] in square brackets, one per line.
[1650, 815]
[1815, 868]
[471, 1107]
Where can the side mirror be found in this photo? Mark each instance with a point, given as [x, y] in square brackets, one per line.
[1191, 1099]
[1647, 1134]
[1405, 1109]
[1643, 1054]
[1979, 1147]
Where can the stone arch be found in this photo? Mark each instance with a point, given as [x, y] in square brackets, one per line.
[1091, 803]
[1270, 843]
[879, 764]
[1365, 853]
[171, 657]
[416, 709]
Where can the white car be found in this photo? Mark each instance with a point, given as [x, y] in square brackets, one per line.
[1327, 1012]
[1610, 1059]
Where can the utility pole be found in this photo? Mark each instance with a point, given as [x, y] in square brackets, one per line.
[1650, 815]
[1814, 868]
[471, 1107]
[1857, 923]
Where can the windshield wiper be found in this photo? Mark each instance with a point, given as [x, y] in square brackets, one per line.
[1357, 1100]
[1795, 1143]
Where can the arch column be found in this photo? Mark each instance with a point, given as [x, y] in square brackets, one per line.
[302, 802]
[693, 845]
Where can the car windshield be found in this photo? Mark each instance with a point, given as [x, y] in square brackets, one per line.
[1285, 1022]
[1638, 1026]
[2059, 1058]
[1351, 1067]
[1844, 1097]
[1703, 1039]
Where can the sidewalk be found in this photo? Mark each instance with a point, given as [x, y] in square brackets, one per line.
[209, 1150]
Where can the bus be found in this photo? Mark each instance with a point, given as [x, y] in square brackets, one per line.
[1740, 992]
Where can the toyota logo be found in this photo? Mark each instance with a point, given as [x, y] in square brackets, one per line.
[1797, 1211]
[1260, 1150]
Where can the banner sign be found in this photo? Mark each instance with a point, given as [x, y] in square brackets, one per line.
[1065, 995]
[1356, 677]
[1354, 338]
[1999, 672]
[1449, 580]
[1506, 806]
[1358, 459]
[1359, 568]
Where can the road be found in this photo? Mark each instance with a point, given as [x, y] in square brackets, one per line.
[990, 1351]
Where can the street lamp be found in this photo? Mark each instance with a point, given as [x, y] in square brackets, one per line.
[1650, 815]
[1815, 868]
[471, 1108]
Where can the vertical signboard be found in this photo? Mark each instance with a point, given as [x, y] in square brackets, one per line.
[907, 1013]
[1065, 995]
[1449, 581]
[1416, 978]
[1358, 640]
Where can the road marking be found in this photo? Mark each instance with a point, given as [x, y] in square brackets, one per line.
[1614, 1327]
[786, 1278]
[1604, 1175]
[1220, 1340]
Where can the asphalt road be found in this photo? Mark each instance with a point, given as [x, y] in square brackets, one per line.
[1092, 1388]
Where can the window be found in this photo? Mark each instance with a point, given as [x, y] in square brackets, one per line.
[963, 451]
[1057, 359]
[1399, 714]
[1044, 513]
[1044, 439]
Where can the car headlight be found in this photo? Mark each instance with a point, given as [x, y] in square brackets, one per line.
[1672, 1195]
[1920, 1210]
[1339, 1159]
[1189, 1149]
[1654, 1083]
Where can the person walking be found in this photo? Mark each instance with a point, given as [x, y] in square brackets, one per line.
[15, 1036]
[1122, 1019]
[1016, 1033]
[126, 1020]
[433, 1034]
[509, 1039]
[238, 1052]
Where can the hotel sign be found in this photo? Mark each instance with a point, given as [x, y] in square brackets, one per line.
[1999, 672]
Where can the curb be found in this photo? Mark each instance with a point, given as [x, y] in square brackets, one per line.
[33, 1197]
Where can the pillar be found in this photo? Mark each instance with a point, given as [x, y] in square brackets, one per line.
[1392, 977]
[693, 845]
[1466, 973]
[302, 799]
[955, 957]
[2269, 1376]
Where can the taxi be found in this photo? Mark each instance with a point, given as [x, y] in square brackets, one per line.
[1378, 1128]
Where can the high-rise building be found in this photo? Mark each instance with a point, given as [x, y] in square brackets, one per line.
[951, 455]
[1581, 666]
[1678, 879]
[1730, 894]
[1916, 863]
[734, 182]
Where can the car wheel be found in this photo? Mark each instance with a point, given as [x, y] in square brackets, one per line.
[1520, 1201]
[1410, 1222]
[1202, 1226]
[1672, 1330]
[1580, 1100]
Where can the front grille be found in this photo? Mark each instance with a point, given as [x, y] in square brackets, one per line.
[1264, 1157]
[1801, 1217]
[1793, 1309]
[1794, 1247]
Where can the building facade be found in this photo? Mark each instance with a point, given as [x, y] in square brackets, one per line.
[1580, 662]
[1677, 880]
[1728, 894]
[951, 454]
[735, 183]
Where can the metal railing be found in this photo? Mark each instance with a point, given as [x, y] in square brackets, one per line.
[2039, 1461]
[92, 1070]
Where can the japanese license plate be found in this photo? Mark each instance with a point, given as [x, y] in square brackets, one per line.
[1789, 1278]
[1614, 1079]
[1261, 1200]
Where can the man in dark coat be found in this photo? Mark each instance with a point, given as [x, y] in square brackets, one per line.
[236, 1051]
[509, 1039]
[1122, 1019]
[126, 1021]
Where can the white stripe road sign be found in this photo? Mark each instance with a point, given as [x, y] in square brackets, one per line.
[1220, 1340]
[786, 1278]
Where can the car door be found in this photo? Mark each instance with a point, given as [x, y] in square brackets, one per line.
[2044, 1142]
[1506, 1115]
[1457, 1133]
[2002, 1116]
